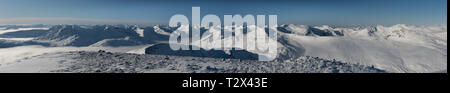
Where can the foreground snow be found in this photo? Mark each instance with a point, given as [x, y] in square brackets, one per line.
[43, 63]
[101, 62]
[15, 54]
[398, 48]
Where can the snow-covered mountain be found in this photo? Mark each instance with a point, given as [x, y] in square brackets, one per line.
[76, 35]
[396, 48]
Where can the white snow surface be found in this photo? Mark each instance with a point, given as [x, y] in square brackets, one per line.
[398, 48]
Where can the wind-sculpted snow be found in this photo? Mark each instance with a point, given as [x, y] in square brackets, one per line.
[107, 62]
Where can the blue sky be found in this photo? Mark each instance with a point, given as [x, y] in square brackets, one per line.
[159, 11]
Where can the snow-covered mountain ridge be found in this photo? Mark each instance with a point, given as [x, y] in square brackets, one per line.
[396, 48]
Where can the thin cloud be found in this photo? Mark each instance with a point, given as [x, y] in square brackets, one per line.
[65, 20]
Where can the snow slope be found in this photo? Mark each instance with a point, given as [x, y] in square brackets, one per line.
[13, 55]
[107, 62]
[398, 48]
[43, 63]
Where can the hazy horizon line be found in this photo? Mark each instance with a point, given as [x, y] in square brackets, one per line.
[94, 21]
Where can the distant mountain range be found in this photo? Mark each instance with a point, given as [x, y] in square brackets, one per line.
[396, 48]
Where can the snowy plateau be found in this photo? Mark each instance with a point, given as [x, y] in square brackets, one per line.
[301, 49]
